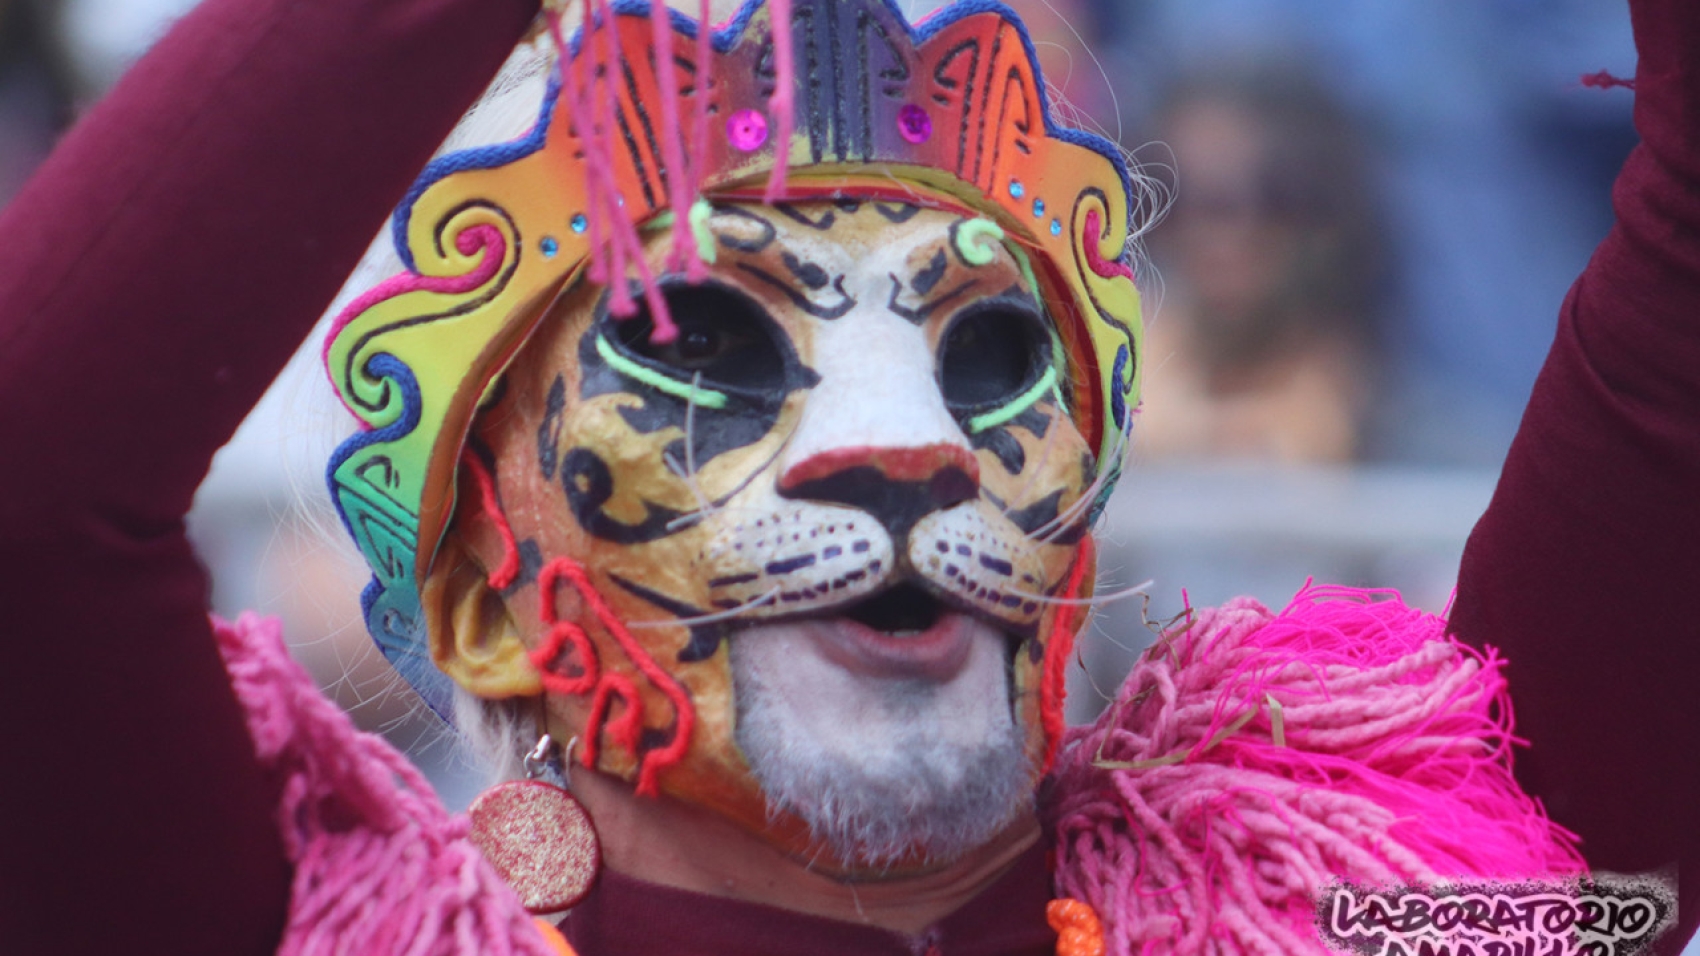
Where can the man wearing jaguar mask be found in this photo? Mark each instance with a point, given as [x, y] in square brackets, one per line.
[790, 543]
[870, 704]
[759, 481]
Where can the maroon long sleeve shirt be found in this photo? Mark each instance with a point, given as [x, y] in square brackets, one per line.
[1584, 568]
[155, 276]
[161, 268]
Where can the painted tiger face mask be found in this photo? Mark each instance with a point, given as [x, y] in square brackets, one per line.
[798, 541]
[826, 523]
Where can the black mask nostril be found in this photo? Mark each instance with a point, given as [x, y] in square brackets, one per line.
[905, 607]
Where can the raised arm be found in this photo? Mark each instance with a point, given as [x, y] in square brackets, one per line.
[156, 275]
[1585, 568]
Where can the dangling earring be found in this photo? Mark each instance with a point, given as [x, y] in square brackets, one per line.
[537, 835]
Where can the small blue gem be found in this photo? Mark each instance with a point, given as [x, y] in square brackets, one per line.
[550, 247]
[1038, 207]
[580, 223]
[1016, 189]
[1056, 227]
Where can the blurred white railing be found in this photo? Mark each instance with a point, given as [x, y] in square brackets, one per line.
[1218, 531]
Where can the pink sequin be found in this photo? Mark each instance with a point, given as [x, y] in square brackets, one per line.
[747, 129]
[914, 123]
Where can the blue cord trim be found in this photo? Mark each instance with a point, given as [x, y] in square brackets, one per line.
[391, 610]
[1118, 401]
[482, 157]
[395, 371]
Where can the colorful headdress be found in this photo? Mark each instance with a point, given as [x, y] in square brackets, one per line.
[950, 112]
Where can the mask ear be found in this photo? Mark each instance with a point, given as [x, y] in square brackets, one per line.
[471, 629]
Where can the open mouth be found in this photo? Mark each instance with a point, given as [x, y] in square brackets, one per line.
[904, 609]
[904, 631]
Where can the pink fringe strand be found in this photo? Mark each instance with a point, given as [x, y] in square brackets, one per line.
[592, 100]
[380, 866]
[784, 98]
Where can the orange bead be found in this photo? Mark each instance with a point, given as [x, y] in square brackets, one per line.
[553, 937]
[1079, 933]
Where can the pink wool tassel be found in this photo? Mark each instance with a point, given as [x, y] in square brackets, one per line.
[591, 97]
[380, 866]
[784, 98]
[680, 177]
[1252, 759]
[699, 133]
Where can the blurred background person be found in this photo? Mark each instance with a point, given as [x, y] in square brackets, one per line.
[1493, 163]
[1377, 210]
[1273, 273]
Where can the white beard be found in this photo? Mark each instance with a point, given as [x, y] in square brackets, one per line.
[881, 768]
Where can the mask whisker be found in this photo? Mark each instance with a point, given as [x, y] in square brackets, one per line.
[1051, 529]
[1093, 601]
[689, 471]
[708, 509]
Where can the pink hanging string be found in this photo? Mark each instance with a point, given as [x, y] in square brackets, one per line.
[592, 97]
[603, 40]
[704, 92]
[590, 90]
[681, 185]
[783, 103]
[597, 163]
[379, 865]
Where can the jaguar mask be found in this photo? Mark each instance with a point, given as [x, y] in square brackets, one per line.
[832, 516]
[814, 562]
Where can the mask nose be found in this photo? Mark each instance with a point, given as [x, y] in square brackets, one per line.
[897, 486]
[875, 434]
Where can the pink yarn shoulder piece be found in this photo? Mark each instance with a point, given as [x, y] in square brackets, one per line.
[380, 867]
[1250, 760]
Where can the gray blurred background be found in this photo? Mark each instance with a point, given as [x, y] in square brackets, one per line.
[1377, 210]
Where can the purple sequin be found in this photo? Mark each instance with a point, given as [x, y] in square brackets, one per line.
[747, 129]
[914, 123]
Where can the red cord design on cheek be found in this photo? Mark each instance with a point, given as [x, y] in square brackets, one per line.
[543, 656]
[626, 729]
[606, 687]
[503, 576]
[1053, 685]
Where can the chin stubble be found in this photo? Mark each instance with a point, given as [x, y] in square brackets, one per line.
[916, 789]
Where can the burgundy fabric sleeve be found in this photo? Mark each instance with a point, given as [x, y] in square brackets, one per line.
[156, 274]
[1583, 569]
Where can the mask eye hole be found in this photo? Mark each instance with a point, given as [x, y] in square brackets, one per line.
[991, 354]
[723, 336]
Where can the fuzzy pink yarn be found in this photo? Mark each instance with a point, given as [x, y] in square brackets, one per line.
[1252, 759]
[380, 867]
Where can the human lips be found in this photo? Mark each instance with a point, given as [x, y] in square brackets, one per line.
[903, 631]
[936, 653]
